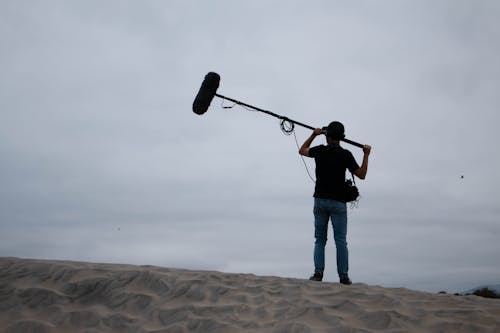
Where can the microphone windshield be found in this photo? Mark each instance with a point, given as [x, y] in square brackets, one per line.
[206, 93]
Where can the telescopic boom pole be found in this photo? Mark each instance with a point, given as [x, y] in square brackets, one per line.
[282, 117]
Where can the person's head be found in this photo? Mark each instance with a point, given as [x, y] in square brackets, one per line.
[334, 132]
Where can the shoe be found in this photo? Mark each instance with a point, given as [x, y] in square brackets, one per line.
[345, 280]
[318, 276]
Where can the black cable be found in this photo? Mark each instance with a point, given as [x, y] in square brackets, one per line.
[226, 107]
[303, 160]
[287, 127]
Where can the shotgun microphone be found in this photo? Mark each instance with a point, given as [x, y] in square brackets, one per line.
[206, 93]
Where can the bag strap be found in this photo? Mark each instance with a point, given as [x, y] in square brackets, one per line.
[353, 181]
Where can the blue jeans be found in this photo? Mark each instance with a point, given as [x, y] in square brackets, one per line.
[324, 209]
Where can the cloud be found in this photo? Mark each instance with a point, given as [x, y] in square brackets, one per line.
[102, 159]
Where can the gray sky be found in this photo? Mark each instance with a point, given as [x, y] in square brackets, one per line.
[102, 159]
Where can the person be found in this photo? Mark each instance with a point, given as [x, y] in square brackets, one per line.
[331, 163]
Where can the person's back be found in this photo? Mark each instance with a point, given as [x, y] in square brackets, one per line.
[331, 164]
[332, 161]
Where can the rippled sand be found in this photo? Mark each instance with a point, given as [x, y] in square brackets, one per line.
[60, 296]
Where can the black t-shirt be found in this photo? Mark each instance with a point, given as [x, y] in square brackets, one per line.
[331, 163]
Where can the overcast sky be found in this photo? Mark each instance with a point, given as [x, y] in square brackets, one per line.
[102, 159]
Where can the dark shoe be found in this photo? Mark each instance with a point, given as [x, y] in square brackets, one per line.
[345, 280]
[318, 276]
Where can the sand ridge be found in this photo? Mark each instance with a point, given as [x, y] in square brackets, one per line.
[61, 296]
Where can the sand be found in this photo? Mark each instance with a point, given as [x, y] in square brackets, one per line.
[61, 296]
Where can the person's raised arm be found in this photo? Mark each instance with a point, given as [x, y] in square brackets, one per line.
[304, 150]
[361, 172]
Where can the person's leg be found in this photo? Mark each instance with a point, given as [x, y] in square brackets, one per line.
[321, 217]
[339, 223]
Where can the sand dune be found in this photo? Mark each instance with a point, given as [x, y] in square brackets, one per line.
[60, 296]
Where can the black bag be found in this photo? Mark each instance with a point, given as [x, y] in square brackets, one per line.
[351, 192]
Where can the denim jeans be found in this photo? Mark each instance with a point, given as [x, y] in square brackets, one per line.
[324, 209]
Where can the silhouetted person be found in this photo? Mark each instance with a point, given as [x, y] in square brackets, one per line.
[331, 163]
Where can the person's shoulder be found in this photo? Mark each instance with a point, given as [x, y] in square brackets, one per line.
[314, 151]
[346, 151]
[318, 148]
